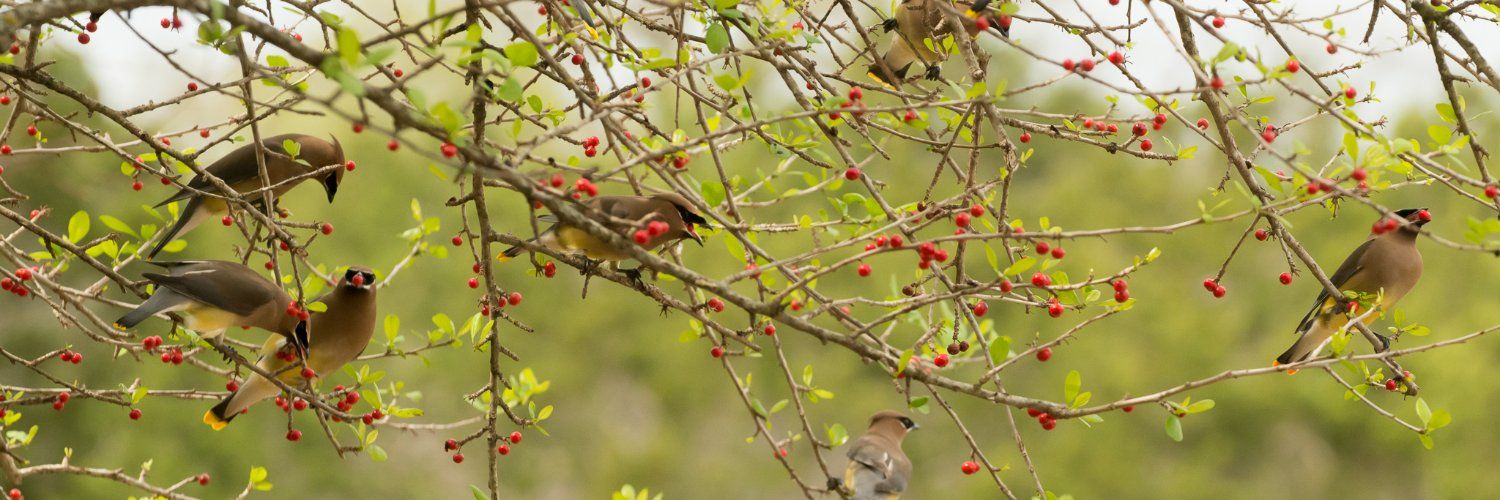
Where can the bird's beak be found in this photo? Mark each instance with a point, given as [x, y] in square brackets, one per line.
[915, 426]
[331, 185]
[692, 233]
[301, 339]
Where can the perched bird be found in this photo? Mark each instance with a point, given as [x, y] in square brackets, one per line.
[335, 336]
[659, 219]
[213, 295]
[1387, 264]
[917, 20]
[878, 469]
[240, 171]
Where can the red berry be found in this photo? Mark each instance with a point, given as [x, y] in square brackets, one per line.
[293, 435]
[1261, 234]
[1218, 22]
[307, 372]
[856, 94]
[961, 220]
[1269, 135]
[135, 413]
[63, 397]
[1086, 65]
[1044, 354]
[227, 220]
[458, 458]
[1203, 123]
[1492, 191]
[1054, 308]
[1331, 48]
[1217, 83]
[1033, 412]
[398, 73]
[769, 329]
[1122, 296]
[514, 299]
[969, 467]
[326, 228]
[1025, 137]
[852, 173]
[910, 116]
[864, 270]
[1058, 253]
[641, 238]
[1116, 57]
[1128, 408]
[1139, 129]
[940, 360]
[299, 404]
[1349, 92]
[1286, 278]
[192, 86]
[83, 38]
[1390, 385]
[503, 449]
[450, 445]
[577, 59]
[359, 127]
[449, 150]
[717, 352]
[515, 437]
[980, 308]
[203, 479]
[1040, 279]
[23, 274]
[1292, 66]
[393, 145]
[716, 304]
[1049, 424]
[458, 240]
[1067, 64]
[1219, 291]
[1042, 248]
[1359, 174]
[232, 386]
[4, 100]
[982, 24]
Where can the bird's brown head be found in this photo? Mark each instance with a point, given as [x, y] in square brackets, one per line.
[1416, 216]
[892, 422]
[358, 278]
[690, 218]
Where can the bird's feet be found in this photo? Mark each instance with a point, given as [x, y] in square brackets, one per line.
[934, 72]
[590, 266]
[634, 275]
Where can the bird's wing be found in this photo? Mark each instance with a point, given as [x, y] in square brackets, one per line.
[1352, 265]
[237, 291]
[236, 167]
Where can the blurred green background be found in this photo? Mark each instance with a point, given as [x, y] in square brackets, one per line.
[634, 405]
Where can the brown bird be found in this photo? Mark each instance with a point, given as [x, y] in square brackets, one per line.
[670, 213]
[878, 469]
[335, 337]
[917, 20]
[1387, 264]
[213, 295]
[240, 171]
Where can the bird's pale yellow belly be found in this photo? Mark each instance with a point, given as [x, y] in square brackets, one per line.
[208, 321]
[572, 238]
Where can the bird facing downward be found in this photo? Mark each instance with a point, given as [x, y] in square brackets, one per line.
[878, 469]
[915, 21]
[213, 295]
[335, 337]
[240, 170]
[670, 214]
[1387, 265]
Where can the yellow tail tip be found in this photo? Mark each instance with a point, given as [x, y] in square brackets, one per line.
[120, 327]
[502, 258]
[970, 14]
[214, 421]
[1291, 372]
[592, 32]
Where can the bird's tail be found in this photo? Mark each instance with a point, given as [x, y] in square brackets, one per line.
[512, 252]
[189, 218]
[1307, 343]
[254, 390]
[898, 59]
[162, 300]
[215, 417]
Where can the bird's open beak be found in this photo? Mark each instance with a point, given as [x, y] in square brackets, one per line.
[331, 185]
[693, 233]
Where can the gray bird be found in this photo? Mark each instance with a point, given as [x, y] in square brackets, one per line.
[335, 337]
[878, 469]
[240, 171]
[915, 21]
[1387, 263]
[635, 213]
[213, 295]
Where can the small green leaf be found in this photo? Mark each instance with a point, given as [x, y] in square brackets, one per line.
[717, 38]
[522, 54]
[1174, 428]
[78, 226]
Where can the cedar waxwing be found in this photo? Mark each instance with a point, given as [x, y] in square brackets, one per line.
[240, 171]
[878, 469]
[335, 336]
[213, 295]
[915, 21]
[1388, 264]
[672, 209]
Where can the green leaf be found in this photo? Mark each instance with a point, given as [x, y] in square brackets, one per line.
[349, 49]
[258, 474]
[1423, 411]
[1426, 440]
[522, 54]
[717, 38]
[478, 493]
[377, 453]
[78, 226]
[837, 435]
[1174, 428]
[115, 224]
[904, 361]
[1019, 267]
[1440, 419]
[1071, 385]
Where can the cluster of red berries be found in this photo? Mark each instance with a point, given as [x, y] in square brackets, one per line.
[1042, 248]
[653, 229]
[1213, 286]
[585, 186]
[61, 400]
[590, 146]
[68, 356]
[1047, 421]
[173, 22]
[296, 311]
[894, 241]
[172, 355]
[715, 304]
[1084, 65]
[962, 219]
[1122, 290]
[969, 467]
[1054, 308]
[17, 286]
[349, 400]
[928, 252]
[287, 354]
